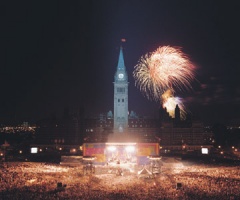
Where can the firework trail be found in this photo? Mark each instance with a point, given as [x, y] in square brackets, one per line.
[166, 68]
[170, 102]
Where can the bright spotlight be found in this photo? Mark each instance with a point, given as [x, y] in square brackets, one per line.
[34, 150]
[112, 148]
[130, 149]
[204, 150]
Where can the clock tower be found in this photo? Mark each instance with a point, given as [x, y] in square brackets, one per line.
[120, 96]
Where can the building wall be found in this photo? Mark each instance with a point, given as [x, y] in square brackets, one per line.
[121, 105]
[61, 131]
[172, 135]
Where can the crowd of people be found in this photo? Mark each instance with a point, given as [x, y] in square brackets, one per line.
[27, 180]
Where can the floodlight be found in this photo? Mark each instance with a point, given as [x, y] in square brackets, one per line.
[112, 148]
[130, 148]
[34, 150]
[204, 150]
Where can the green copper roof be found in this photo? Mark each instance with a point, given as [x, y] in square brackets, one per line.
[121, 64]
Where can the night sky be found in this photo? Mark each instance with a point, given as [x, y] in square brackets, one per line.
[58, 54]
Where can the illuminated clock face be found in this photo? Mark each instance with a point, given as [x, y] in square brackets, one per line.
[120, 76]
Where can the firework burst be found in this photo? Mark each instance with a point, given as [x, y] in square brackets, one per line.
[170, 102]
[167, 67]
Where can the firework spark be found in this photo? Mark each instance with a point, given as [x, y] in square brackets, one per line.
[167, 67]
[170, 102]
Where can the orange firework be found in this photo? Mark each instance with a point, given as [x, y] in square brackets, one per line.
[170, 102]
[167, 67]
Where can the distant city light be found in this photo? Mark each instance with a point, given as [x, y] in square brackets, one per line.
[72, 150]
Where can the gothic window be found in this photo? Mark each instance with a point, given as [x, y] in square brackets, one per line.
[118, 100]
[122, 100]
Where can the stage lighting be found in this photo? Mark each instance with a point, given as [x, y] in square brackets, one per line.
[130, 149]
[112, 148]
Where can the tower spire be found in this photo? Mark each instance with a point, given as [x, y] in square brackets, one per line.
[121, 64]
[120, 96]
